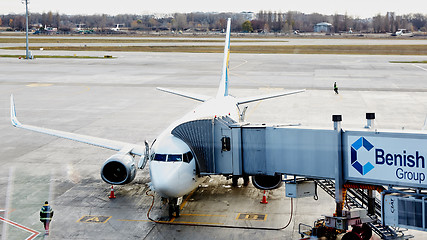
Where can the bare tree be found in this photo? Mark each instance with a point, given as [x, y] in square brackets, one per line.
[264, 21]
[336, 23]
[57, 21]
[418, 20]
[180, 21]
[19, 23]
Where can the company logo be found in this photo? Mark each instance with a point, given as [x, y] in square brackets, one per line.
[361, 142]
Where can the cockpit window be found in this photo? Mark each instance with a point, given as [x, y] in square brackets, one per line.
[160, 157]
[188, 157]
[174, 158]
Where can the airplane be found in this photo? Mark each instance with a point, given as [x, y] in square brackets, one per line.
[403, 32]
[117, 28]
[172, 163]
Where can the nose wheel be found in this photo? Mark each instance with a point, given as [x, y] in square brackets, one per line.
[173, 208]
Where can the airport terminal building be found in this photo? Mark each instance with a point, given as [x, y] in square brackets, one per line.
[323, 27]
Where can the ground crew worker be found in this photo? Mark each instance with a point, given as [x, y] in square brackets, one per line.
[46, 214]
[335, 88]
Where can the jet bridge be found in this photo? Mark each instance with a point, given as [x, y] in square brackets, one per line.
[224, 147]
[395, 159]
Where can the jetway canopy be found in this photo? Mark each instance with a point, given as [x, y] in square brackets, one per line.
[224, 147]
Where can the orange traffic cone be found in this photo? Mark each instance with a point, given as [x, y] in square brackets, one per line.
[264, 198]
[112, 193]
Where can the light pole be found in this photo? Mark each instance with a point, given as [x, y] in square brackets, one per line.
[26, 28]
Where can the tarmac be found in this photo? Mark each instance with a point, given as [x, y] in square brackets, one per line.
[116, 99]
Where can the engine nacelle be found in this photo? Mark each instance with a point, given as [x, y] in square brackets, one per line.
[119, 169]
[266, 182]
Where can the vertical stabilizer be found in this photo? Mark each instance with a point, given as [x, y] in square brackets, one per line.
[223, 86]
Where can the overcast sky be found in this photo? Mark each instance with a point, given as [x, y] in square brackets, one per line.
[357, 8]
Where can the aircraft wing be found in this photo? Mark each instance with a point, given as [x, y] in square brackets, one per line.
[266, 96]
[197, 97]
[99, 142]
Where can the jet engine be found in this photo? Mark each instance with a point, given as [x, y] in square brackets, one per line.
[266, 182]
[119, 169]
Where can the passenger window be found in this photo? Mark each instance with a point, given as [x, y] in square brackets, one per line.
[188, 157]
[160, 157]
[174, 158]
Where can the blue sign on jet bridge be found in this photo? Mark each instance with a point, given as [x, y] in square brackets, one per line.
[386, 158]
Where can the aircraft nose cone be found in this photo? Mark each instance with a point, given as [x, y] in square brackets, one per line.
[166, 181]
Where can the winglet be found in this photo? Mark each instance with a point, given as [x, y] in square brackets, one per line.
[13, 118]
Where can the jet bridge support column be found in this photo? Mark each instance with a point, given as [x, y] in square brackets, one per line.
[370, 117]
[339, 168]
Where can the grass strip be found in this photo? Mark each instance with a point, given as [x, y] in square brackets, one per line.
[54, 56]
[301, 49]
[106, 40]
[408, 61]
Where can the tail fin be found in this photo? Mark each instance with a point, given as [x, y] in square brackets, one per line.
[223, 86]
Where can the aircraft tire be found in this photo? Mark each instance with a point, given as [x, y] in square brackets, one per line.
[177, 210]
[171, 210]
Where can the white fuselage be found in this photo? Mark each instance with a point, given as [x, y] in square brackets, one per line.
[172, 178]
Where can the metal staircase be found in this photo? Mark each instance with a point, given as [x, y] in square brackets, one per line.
[358, 198]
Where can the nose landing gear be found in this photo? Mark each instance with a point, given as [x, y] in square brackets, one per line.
[174, 207]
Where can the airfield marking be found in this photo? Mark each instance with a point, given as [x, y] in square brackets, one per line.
[34, 232]
[419, 67]
[203, 215]
[94, 219]
[131, 220]
[84, 90]
[206, 223]
[252, 216]
[173, 219]
[245, 61]
[186, 199]
[39, 85]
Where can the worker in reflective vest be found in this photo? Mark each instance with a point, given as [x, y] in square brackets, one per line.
[46, 214]
[335, 88]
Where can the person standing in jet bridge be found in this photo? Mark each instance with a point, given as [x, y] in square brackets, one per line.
[335, 88]
[46, 214]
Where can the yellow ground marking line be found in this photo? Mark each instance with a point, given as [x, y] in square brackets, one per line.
[203, 215]
[206, 223]
[186, 199]
[266, 89]
[84, 90]
[181, 207]
[171, 221]
[39, 85]
[253, 109]
[130, 220]
[241, 64]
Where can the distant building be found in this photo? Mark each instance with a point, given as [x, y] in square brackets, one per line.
[248, 15]
[323, 27]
